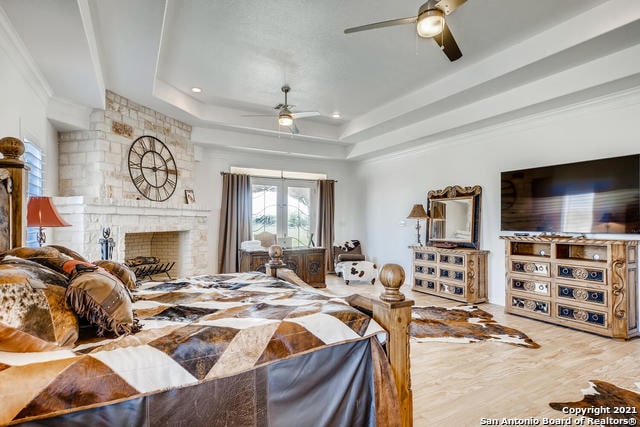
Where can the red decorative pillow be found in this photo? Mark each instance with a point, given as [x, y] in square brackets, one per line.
[74, 266]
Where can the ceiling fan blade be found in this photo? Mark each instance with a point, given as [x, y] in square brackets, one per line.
[257, 115]
[303, 114]
[448, 6]
[382, 24]
[448, 44]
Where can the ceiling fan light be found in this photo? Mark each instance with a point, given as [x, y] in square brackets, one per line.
[285, 120]
[430, 23]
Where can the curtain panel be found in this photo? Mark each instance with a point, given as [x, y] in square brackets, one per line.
[235, 220]
[325, 225]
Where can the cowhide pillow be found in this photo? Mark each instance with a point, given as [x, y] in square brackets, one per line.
[33, 315]
[48, 256]
[103, 300]
[34, 270]
[350, 246]
[119, 270]
[69, 252]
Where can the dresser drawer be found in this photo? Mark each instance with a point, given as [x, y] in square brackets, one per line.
[451, 274]
[571, 292]
[530, 305]
[588, 274]
[426, 284]
[452, 259]
[535, 287]
[531, 267]
[427, 270]
[451, 289]
[425, 256]
[582, 315]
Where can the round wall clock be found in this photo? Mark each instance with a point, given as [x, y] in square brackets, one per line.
[152, 168]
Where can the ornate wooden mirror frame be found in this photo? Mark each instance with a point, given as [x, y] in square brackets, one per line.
[462, 226]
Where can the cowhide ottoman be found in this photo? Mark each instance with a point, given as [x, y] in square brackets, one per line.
[361, 271]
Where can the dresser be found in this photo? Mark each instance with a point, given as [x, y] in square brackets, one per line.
[586, 284]
[457, 273]
[307, 263]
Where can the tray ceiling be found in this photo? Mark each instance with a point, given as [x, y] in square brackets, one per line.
[391, 88]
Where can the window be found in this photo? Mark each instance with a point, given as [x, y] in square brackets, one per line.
[284, 207]
[33, 159]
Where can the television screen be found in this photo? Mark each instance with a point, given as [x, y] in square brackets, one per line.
[597, 196]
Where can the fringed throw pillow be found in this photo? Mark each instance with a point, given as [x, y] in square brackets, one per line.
[119, 270]
[103, 300]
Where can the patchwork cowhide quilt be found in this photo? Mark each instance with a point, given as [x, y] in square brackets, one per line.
[462, 324]
[605, 402]
[192, 331]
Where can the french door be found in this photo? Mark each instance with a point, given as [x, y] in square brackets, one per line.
[284, 207]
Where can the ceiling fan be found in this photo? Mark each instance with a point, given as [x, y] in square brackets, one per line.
[430, 22]
[286, 117]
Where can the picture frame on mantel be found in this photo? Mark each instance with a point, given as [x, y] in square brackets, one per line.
[190, 197]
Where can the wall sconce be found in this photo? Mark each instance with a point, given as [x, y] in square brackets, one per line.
[418, 213]
[41, 212]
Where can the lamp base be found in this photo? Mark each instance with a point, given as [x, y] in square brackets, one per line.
[418, 230]
[42, 238]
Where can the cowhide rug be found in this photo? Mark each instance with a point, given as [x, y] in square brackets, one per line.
[604, 401]
[462, 324]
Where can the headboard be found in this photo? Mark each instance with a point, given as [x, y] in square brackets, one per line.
[13, 199]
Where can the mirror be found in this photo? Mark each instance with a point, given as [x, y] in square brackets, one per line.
[454, 215]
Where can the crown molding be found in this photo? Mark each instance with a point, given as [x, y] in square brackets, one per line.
[87, 18]
[18, 53]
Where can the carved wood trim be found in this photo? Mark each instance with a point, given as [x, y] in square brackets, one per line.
[562, 239]
[617, 288]
[455, 191]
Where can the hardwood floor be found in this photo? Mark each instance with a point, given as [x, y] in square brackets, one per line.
[460, 384]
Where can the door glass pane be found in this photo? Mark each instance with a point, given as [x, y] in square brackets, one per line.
[298, 216]
[264, 209]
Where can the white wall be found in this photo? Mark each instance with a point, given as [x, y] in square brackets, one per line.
[210, 161]
[23, 111]
[392, 184]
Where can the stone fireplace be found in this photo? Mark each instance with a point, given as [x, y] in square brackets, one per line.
[139, 229]
[96, 190]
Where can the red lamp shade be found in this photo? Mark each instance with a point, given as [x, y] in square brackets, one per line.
[41, 212]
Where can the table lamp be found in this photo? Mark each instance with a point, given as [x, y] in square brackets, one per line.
[417, 213]
[41, 212]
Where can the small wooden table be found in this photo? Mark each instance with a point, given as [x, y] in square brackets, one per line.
[307, 263]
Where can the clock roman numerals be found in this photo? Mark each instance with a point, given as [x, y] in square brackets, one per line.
[139, 180]
[152, 168]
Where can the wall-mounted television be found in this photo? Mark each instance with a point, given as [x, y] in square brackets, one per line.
[596, 196]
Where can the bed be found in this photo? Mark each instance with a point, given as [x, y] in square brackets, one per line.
[232, 349]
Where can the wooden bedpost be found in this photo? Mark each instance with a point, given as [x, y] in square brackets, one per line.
[393, 312]
[11, 150]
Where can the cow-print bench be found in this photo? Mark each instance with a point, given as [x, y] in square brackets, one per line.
[360, 271]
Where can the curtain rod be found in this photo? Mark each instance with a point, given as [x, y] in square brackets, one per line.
[334, 180]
